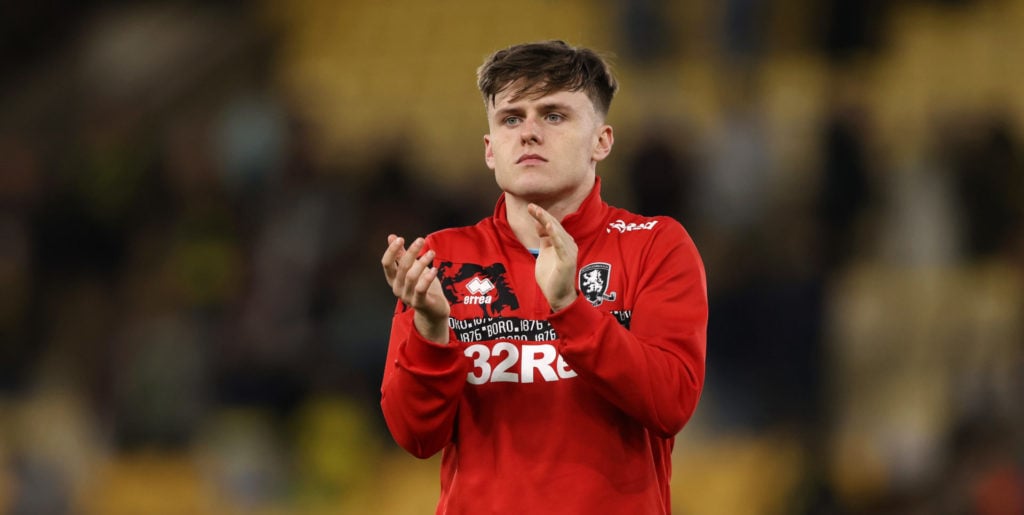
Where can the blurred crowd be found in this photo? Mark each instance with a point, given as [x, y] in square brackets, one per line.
[193, 318]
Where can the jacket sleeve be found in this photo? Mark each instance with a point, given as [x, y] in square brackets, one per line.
[653, 371]
[422, 385]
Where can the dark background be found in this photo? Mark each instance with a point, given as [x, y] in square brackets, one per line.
[194, 197]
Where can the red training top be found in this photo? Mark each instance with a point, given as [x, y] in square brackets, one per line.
[564, 413]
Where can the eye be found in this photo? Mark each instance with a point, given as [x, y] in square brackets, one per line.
[554, 117]
[512, 121]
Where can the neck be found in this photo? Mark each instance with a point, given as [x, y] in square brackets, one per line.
[525, 227]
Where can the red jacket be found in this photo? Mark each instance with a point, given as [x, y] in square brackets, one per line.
[565, 413]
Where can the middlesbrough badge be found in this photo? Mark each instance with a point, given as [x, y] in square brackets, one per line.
[593, 282]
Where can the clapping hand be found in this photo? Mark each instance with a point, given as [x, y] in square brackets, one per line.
[415, 283]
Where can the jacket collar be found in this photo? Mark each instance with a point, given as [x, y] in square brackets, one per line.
[581, 224]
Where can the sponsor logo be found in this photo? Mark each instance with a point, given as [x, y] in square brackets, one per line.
[478, 287]
[593, 282]
[485, 286]
[622, 226]
[506, 362]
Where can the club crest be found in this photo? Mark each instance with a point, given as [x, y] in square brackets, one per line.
[593, 282]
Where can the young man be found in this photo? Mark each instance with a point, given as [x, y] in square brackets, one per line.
[553, 350]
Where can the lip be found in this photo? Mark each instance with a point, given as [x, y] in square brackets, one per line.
[531, 159]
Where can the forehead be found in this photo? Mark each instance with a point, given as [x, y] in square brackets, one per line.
[511, 97]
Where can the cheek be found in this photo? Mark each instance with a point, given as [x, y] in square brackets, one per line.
[586, 146]
[499, 147]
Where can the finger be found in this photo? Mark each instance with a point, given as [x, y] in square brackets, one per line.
[394, 250]
[551, 231]
[542, 231]
[424, 282]
[406, 259]
[542, 219]
[415, 273]
[421, 297]
[546, 219]
[391, 249]
[538, 213]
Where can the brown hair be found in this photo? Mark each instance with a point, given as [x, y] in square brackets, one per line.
[546, 67]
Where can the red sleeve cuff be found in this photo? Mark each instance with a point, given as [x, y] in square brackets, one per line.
[423, 353]
[575, 321]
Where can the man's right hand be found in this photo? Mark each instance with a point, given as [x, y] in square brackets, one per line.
[415, 283]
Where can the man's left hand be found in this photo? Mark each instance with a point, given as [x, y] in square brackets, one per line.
[556, 263]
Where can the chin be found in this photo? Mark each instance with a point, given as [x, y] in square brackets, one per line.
[531, 190]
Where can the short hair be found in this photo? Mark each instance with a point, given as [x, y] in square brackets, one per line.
[545, 67]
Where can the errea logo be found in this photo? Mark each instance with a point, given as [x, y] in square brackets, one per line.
[622, 226]
[478, 288]
[485, 286]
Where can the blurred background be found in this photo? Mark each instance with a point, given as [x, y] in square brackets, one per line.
[194, 197]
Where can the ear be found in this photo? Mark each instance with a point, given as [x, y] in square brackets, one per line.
[488, 152]
[603, 146]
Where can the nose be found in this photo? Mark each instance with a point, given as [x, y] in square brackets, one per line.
[530, 132]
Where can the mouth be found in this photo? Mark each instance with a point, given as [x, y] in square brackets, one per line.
[531, 159]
